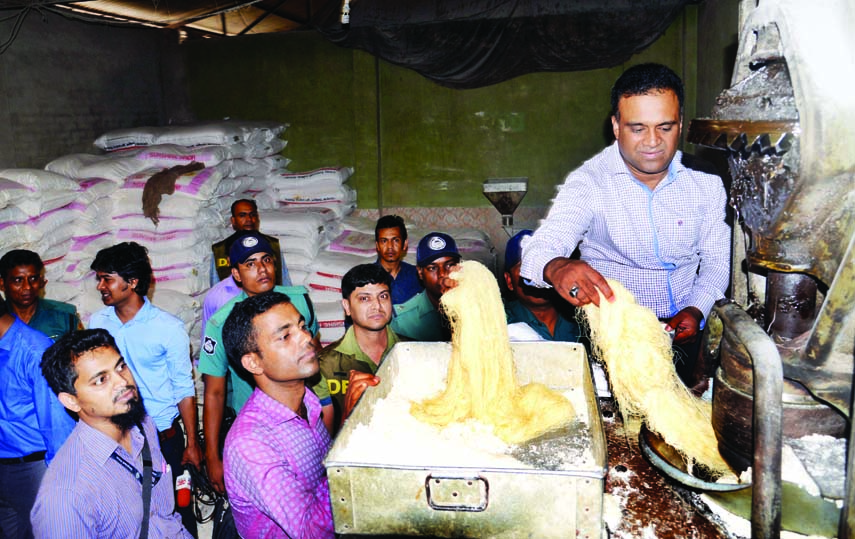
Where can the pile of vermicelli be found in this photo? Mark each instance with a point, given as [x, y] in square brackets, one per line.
[481, 383]
[629, 339]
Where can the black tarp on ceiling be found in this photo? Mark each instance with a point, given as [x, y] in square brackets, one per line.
[474, 43]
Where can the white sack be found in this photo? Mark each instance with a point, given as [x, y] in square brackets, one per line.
[69, 165]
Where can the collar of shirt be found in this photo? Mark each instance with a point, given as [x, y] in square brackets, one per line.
[143, 315]
[39, 304]
[419, 303]
[102, 446]
[277, 413]
[350, 346]
[617, 166]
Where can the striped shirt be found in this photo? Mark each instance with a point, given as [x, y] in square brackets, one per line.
[670, 246]
[86, 493]
[274, 471]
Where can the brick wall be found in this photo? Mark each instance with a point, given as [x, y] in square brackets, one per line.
[65, 82]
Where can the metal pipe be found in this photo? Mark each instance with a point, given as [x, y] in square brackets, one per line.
[846, 526]
[768, 378]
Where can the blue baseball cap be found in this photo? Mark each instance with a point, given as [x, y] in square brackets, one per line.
[435, 245]
[246, 245]
[513, 250]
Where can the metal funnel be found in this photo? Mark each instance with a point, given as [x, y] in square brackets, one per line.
[505, 194]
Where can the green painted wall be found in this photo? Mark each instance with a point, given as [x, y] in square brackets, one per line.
[415, 143]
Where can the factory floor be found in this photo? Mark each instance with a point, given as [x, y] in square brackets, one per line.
[644, 503]
[640, 502]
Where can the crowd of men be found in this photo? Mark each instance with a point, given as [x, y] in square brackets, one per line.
[98, 422]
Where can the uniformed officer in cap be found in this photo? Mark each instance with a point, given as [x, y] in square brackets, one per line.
[419, 318]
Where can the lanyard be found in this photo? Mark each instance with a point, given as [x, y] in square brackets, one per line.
[155, 476]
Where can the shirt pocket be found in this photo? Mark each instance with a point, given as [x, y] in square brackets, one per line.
[678, 237]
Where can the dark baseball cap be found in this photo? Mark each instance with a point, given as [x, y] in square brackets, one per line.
[513, 250]
[435, 245]
[246, 245]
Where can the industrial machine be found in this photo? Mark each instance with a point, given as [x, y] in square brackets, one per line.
[787, 124]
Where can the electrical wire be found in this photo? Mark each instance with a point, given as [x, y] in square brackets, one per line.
[16, 28]
[204, 494]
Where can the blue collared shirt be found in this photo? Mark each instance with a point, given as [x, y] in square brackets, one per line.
[670, 246]
[406, 284]
[32, 417]
[157, 349]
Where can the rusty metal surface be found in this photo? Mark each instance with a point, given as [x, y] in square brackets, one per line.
[651, 504]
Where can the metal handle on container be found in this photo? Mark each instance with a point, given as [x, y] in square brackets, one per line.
[468, 494]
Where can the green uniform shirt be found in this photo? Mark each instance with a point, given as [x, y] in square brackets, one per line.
[565, 329]
[339, 358]
[214, 362]
[222, 269]
[418, 320]
[53, 318]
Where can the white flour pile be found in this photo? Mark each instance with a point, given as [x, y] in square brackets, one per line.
[394, 437]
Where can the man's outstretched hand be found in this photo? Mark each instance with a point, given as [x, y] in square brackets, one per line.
[566, 274]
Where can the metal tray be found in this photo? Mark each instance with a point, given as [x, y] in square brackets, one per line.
[549, 494]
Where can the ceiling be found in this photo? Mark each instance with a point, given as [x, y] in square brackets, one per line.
[193, 18]
[456, 43]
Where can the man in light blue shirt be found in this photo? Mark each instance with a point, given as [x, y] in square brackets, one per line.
[157, 349]
[639, 216]
[33, 424]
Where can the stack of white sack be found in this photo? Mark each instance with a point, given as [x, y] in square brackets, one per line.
[357, 238]
[355, 245]
[301, 233]
[58, 218]
[37, 209]
[187, 221]
[323, 188]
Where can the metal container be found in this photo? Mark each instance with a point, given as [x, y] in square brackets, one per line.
[556, 491]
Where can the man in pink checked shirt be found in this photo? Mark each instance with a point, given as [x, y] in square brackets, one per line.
[273, 456]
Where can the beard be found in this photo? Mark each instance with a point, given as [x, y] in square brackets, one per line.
[134, 416]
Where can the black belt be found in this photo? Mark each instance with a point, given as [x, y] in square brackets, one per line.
[32, 457]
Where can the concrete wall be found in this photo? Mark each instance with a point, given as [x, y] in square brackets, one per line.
[422, 150]
[63, 83]
[415, 143]
[418, 148]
